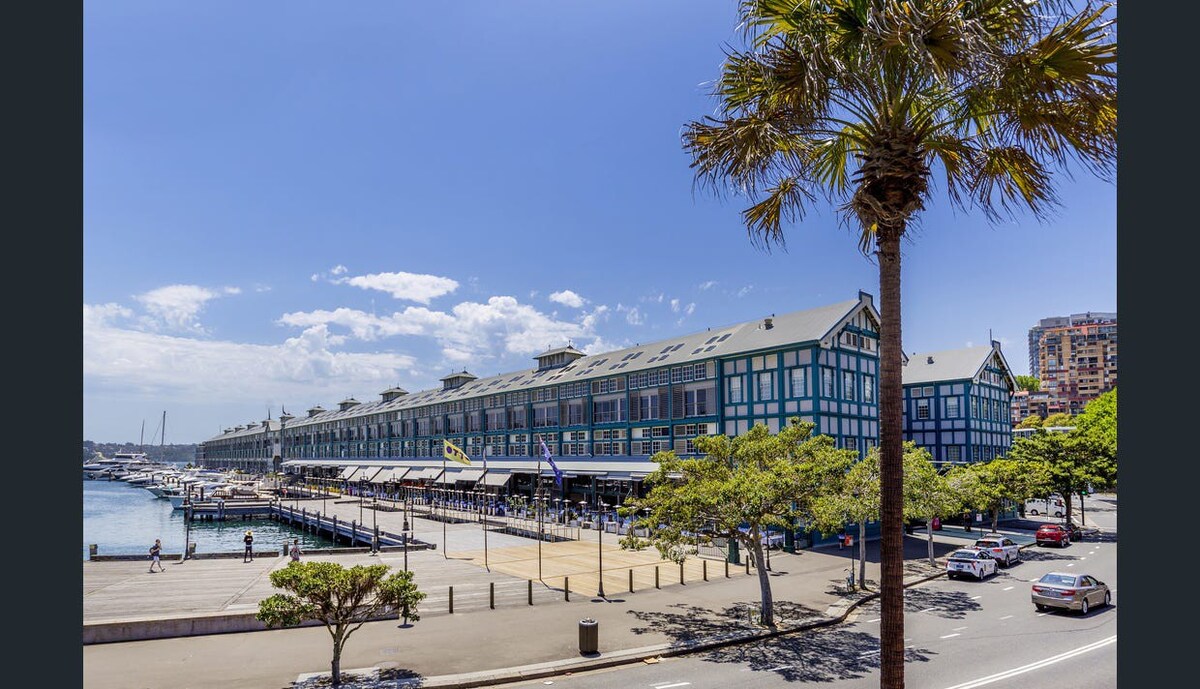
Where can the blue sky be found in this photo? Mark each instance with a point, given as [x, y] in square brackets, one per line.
[286, 204]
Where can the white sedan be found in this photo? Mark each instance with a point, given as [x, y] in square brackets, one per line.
[974, 562]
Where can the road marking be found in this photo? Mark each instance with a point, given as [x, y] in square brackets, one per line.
[1071, 564]
[926, 610]
[775, 669]
[1006, 617]
[976, 597]
[1034, 666]
[874, 620]
[958, 629]
[1009, 588]
[1083, 558]
[668, 686]
[949, 636]
[1042, 614]
[868, 653]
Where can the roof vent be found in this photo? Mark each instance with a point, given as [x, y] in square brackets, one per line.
[929, 360]
[768, 323]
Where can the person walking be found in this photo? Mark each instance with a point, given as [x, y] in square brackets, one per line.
[248, 539]
[155, 551]
[295, 551]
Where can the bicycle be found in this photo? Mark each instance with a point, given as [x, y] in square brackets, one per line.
[850, 587]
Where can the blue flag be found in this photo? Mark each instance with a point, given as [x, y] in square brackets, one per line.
[557, 471]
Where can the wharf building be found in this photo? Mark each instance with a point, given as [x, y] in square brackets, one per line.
[958, 403]
[601, 416]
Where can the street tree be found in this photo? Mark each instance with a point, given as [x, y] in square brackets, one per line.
[1098, 422]
[1028, 383]
[1003, 481]
[861, 102]
[343, 599]
[1073, 462]
[854, 500]
[1031, 421]
[927, 493]
[739, 489]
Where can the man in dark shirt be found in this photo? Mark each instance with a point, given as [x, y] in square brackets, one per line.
[249, 541]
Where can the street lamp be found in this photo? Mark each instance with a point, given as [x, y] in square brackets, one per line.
[374, 525]
[600, 549]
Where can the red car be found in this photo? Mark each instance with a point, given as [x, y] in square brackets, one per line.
[1053, 533]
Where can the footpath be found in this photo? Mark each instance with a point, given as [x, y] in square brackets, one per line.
[475, 645]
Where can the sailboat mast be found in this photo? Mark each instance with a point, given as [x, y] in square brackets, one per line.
[142, 438]
[162, 441]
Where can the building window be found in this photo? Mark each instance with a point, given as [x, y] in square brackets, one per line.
[922, 409]
[695, 402]
[974, 407]
[766, 385]
[608, 411]
[734, 389]
[850, 443]
[799, 381]
[826, 382]
[953, 453]
[649, 406]
[952, 407]
[848, 387]
[545, 416]
[868, 389]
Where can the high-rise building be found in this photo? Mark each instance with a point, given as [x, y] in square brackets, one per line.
[1035, 333]
[1076, 361]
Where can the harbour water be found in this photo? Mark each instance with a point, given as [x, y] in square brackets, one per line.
[124, 520]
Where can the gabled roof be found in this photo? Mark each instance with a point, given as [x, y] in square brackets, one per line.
[952, 364]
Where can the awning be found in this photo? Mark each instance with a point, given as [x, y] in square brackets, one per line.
[450, 477]
[364, 474]
[472, 475]
[496, 478]
[423, 474]
[348, 472]
[390, 475]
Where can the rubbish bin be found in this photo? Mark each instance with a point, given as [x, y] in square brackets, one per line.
[908, 528]
[589, 636]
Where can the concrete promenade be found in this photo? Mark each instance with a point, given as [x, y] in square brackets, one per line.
[475, 643]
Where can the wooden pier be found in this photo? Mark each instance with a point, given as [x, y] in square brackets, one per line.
[339, 531]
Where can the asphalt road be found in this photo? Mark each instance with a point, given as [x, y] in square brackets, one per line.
[960, 635]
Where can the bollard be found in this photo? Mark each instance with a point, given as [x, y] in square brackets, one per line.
[284, 549]
[333, 530]
[567, 589]
[92, 549]
[747, 565]
[451, 600]
[681, 572]
[492, 595]
[354, 537]
[704, 569]
[727, 569]
[530, 582]
[631, 581]
[656, 577]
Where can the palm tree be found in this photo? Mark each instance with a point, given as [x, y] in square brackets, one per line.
[861, 102]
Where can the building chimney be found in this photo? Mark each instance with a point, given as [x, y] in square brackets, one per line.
[768, 323]
[929, 360]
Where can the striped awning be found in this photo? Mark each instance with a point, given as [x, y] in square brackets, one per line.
[450, 476]
[472, 475]
[497, 478]
[364, 474]
[423, 474]
[348, 472]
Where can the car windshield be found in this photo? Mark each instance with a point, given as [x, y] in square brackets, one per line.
[1057, 579]
[963, 555]
[987, 544]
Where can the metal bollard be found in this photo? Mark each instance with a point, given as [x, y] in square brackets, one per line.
[747, 565]
[727, 569]
[530, 582]
[704, 569]
[681, 573]
[656, 577]
[451, 600]
[492, 595]
[92, 549]
[567, 589]
[631, 581]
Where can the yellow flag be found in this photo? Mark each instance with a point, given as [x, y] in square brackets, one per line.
[451, 452]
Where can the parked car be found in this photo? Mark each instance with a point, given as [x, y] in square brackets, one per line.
[1079, 592]
[1053, 533]
[974, 562]
[1002, 548]
[1052, 506]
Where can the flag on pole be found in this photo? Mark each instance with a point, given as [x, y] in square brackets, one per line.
[557, 472]
[452, 452]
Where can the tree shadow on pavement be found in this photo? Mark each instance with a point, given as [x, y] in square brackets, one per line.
[1047, 555]
[823, 655]
[949, 604]
[693, 623]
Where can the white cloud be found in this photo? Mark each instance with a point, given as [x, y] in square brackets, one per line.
[691, 308]
[533, 294]
[970, 343]
[635, 317]
[568, 298]
[259, 287]
[745, 290]
[177, 307]
[339, 269]
[675, 305]
[406, 286]
[707, 285]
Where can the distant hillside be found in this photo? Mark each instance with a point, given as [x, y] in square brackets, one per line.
[166, 453]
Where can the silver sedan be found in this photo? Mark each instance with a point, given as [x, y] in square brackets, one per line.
[1080, 592]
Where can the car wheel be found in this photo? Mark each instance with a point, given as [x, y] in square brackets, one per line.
[1033, 512]
[1108, 597]
[1058, 515]
[1083, 609]
[979, 574]
[1065, 542]
[1041, 608]
[1008, 560]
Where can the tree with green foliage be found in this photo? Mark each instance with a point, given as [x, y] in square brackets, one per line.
[927, 493]
[861, 102]
[1073, 462]
[340, 598]
[1098, 422]
[740, 488]
[1059, 420]
[1031, 421]
[1002, 481]
[1028, 383]
[855, 500]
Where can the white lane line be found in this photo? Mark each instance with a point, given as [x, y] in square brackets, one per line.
[874, 620]
[1071, 564]
[868, 653]
[958, 629]
[976, 597]
[926, 610]
[1008, 588]
[1034, 666]
[668, 686]
[781, 667]
[1083, 558]
[1042, 614]
[949, 636]
[1006, 617]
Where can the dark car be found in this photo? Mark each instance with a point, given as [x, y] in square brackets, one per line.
[1053, 533]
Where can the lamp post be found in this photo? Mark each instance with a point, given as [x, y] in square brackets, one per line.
[600, 549]
[374, 525]
[481, 494]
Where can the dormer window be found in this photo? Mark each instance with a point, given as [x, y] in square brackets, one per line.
[555, 358]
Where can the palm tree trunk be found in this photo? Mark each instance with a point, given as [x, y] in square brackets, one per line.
[891, 457]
